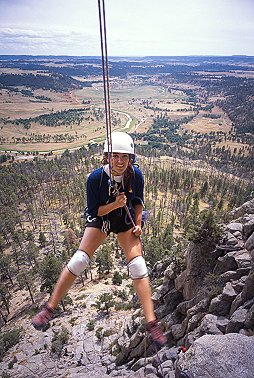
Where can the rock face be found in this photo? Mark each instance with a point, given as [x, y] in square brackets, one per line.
[220, 356]
[208, 308]
[190, 280]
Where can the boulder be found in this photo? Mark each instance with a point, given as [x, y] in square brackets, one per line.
[220, 306]
[194, 321]
[236, 321]
[161, 291]
[218, 356]
[248, 226]
[183, 307]
[245, 295]
[246, 208]
[201, 306]
[249, 322]
[233, 275]
[178, 330]
[225, 264]
[230, 239]
[229, 293]
[166, 355]
[213, 325]
[234, 227]
[146, 371]
[249, 245]
[232, 261]
[172, 299]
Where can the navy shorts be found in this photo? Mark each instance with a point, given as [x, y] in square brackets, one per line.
[115, 225]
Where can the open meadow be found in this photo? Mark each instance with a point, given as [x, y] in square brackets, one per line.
[140, 103]
[57, 107]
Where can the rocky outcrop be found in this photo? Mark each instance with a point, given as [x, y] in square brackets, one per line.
[220, 356]
[208, 308]
[246, 208]
[189, 282]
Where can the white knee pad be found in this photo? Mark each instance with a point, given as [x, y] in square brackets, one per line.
[78, 263]
[137, 268]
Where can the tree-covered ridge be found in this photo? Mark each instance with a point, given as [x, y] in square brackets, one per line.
[134, 66]
[237, 91]
[42, 202]
[55, 189]
[59, 118]
[236, 95]
[206, 82]
[164, 138]
[54, 81]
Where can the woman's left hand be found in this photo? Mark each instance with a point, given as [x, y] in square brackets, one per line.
[137, 231]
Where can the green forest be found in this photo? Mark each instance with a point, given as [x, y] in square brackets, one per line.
[43, 202]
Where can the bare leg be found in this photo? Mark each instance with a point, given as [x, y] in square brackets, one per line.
[63, 284]
[92, 239]
[131, 246]
[143, 290]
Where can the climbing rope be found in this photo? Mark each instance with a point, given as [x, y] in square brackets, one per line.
[159, 360]
[105, 74]
[145, 355]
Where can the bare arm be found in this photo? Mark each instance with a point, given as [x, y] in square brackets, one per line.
[138, 220]
[138, 217]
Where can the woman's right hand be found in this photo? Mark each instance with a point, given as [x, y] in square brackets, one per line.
[120, 200]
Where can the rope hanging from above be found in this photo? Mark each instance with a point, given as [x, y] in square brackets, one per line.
[105, 73]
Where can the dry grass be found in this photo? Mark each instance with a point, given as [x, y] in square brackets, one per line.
[127, 96]
[201, 124]
[233, 145]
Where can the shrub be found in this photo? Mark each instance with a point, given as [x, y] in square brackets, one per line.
[10, 364]
[99, 333]
[205, 227]
[68, 300]
[8, 340]
[105, 302]
[213, 285]
[122, 294]
[59, 340]
[90, 325]
[72, 320]
[125, 276]
[123, 306]
[108, 332]
[117, 278]
[81, 296]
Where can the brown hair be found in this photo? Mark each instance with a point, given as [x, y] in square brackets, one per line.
[127, 176]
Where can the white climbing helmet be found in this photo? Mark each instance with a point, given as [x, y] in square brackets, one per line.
[121, 142]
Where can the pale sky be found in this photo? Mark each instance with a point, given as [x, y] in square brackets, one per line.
[134, 27]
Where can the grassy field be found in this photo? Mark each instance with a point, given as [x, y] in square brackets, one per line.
[127, 103]
[202, 124]
[133, 108]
